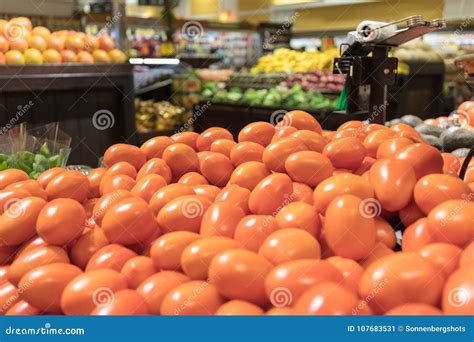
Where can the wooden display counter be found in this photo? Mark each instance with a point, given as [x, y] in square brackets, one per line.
[72, 94]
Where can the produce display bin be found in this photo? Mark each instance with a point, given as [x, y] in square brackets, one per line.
[72, 94]
[235, 117]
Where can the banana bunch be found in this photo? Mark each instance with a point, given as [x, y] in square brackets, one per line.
[291, 61]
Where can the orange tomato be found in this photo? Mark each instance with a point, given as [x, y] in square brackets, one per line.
[278, 187]
[217, 168]
[348, 231]
[424, 159]
[327, 298]
[206, 138]
[43, 285]
[61, 221]
[401, 278]
[289, 244]
[181, 159]
[129, 221]
[282, 132]
[166, 250]
[385, 233]
[458, 293]
[374, 139]
[246, 151]
[223, 146]
[31, 186]
[340, 184]
[155, 166]
[435, 189]
[240, 274]
[18, 222]
[147, 186]
[193, 178]
[197, 256]
[183, 213]
[345, 153]
[187, 138]
[238, 308]
[410, 213]
[95, 177]
[121, 168]
[299, 215]
[207, 191]
[414, 309]
[168, 193]
[275, 154]
[11, 197]
[154, 147]
[192, 298]
[390, 147]
[22, 308]
[137, 269]
[308, 167]
[451, 222]
[11, 176]
[221, 219]
[107, 201]
[451, 164]
[84, 248]
[286, 282]
[68, 184]
[257, 132]
[156, 287]
[467, 256]
[301, 120]
[443, 256]
[125, 302]
[90, 290]
[249, 174]
[252, 230]
[393, 182]
[314, 141]
[116, 182]
[126, 153]
[111, 256]
[48, 175]
[302, 193]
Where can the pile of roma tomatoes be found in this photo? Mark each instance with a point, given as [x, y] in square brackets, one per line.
[288, 220]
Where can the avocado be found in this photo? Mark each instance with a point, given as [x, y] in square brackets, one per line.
[429, 130]
[432, 140]
[392, 122]
[448, 124]
[411, 120]
[461, 152]
[457, 138]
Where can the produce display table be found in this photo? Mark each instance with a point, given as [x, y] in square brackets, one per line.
[72, 94]
[235, 117]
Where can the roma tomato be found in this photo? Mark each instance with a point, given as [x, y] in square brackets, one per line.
[94, 177]
[49, 174]
[390, 147]
[147, 186]
[416, 236]
[183, 213]
[223, 146]
[168, 193]
[110, 257]
[137, 269]
[314, 141]
[125, 302]
[166, 250]
[193, 178]
[187, 138]
[68, 184]
[443, 256]
[258, 132]
[249, 174]
[31, 186]
[127, 153]
[414, 309]
[239, 308]
[83, 248]
[154, 147]
[155, 166]
[271, 194]
[351, 271]
[217, 168]
[11, 176]
[181, 159]
[308, 167]
[348, 231]
[458, 293]
[299, 215]
[275, 154]
[252, 230]
[424, 158]
[345, 153]
[245, 152]
[236, 195]
[301, 120]
[221, 219]
[206, 138]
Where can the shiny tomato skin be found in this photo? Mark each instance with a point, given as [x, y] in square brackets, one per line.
[258, 132]
[155, 166]
[147, 186]
[112, 257]
[31, 186]
[22, 308]
[125, 302]
[275, 154]
[235, 195]
[124, 152]
[11, 176]
[206, 138]
[217, 168]
[271, 194]
[221, 219]
[308, 167]
[458, 292]
[168, 193]
[154, 147]
[137, 269]
[68, 184]
[181, 159]
[443, 256]
[314, 141]
[91, 289]
[166, 251]
[417, 235]
[84, 248]
[239, 308]
[95, 177]
[424, 159]
[245, 152]
[43, 285]
[252, 230]
[49, 174]
[249, 174]
[299, 215]
[187, 138]
[346, 153]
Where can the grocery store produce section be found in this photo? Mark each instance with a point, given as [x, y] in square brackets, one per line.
[284, 217]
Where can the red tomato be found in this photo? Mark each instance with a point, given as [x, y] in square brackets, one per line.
[8, 296]
[68, 184]
[168, 193]
[95, 177]
[48, 175]
[187, 138]
[147, 186]
[11, 176]
[390, 147]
